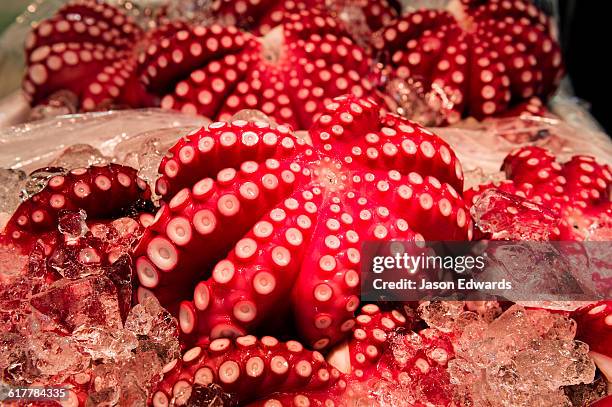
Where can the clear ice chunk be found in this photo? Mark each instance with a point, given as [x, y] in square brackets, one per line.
[441, 315]
[54, 357]
[13, 265]
[523, 358]
[79, 156]
[105, 344]
[156, 329]
[11, 184]
[126, 383]
[253, 115]
[73, 225]
[89, 301]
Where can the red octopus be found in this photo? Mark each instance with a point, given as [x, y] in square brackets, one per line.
[267, 222]
[480, 57]
[87, 49]
[289, 75]
[573, 198]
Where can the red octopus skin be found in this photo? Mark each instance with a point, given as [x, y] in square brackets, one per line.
[86, 48]
[486, 56]
[262, 16]
[605, 402]
[289, 218]
[578, 191]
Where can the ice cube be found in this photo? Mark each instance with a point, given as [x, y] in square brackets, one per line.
[380, 392]
[127, 383]
[72, 225]
[19, 278]
[541, 271]
[13, 264]
[89, 301]
[146, 151]
[555, 305]
[79, 156]
[487, 310]
[525, 221]
[13, 361]
[60, 103]
[253, 115]
[11, 184]
[409, 98]
[54, 355]
[441, 315]
[121, 274]
[156, 329]
[523, 358]
[105, 344]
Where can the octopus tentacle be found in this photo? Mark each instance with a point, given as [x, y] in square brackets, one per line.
[246, 366]
[296, 219]
[247, 286]
[102, 192]
[212, 214]
[222, 145]
[351, 129]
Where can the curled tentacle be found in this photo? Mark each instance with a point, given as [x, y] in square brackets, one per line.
[101, 192]
[248, 367]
